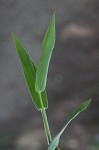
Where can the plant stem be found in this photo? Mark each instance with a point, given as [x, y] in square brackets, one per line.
[45, 120]
[46, 125]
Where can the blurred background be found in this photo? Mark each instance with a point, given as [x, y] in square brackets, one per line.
[73, 73]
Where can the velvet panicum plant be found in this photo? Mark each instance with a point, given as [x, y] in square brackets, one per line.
[36, 77]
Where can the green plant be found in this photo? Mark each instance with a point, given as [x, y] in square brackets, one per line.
[36, 81]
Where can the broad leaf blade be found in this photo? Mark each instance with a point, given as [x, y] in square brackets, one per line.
[47, 48]
[55, 141]
[29, 70]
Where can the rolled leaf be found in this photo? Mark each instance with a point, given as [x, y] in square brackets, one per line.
[29, 70]
[47, 48]
[55, 141]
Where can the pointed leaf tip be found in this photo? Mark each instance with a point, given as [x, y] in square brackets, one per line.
[47, 48]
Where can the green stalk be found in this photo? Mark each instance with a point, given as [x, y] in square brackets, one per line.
[45, 120]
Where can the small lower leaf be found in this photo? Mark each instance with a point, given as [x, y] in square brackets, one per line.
[55, 141]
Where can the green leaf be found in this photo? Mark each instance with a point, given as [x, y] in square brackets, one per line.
[29, 70]
[55, 141]
[47, 48]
